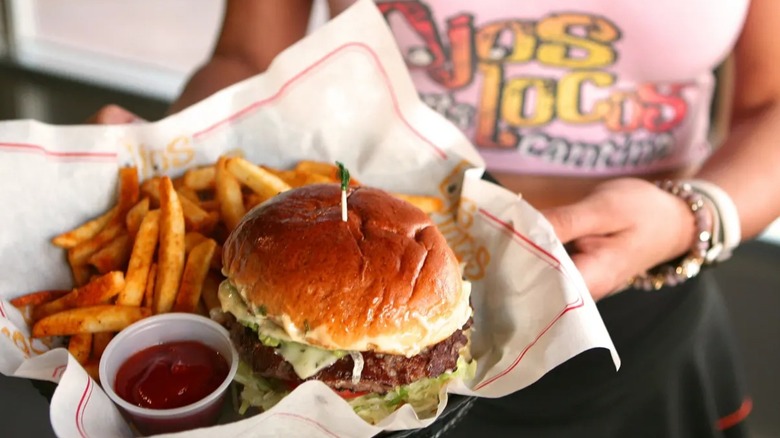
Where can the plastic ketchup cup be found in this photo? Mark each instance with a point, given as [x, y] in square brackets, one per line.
[173, 329]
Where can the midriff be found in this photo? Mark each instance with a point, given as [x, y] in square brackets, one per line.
[544, 191]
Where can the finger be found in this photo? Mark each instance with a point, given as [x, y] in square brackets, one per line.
[600, 277]
[573, 221]
[591, 216]
[113, 115]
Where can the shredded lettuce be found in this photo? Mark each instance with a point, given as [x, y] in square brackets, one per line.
[422, 395]
[257, 391]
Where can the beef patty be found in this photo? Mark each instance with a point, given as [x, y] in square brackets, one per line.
[381, 372]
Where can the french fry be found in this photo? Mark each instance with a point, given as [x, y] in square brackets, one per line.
[202, 178]
[103, 318]
[88, 230]
[261, 181]
[140, 260]
[194, 274]
[97, 291]
[100, 341]
[216, 261]
[252, 200]
[171, 254]
[38, 298]
[231, 202]
[150, 188]
[318, 167]
[79, 255]
[428, 204]
[193, 239]
[113, 256]
[150, 281]
[81, 273]
[136, 215]
[128, 189]
[188, 193]
[212, 205]
[210, 292]
[92, 367]
[196, 218]
[328, 170]
[297, 178]
[80, 346]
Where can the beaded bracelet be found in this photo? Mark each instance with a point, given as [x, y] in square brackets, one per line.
[689, 265]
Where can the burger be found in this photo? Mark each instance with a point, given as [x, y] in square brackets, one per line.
[375, 307]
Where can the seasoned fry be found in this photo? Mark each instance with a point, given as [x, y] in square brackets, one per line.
[196, 218]
[136, 215]
[92, 367]
[229, 195]
[103, 318]
[428, 204]
[113, 256]
[140, 260]
[297, 178]
[81, 273]
[212, 205]
[328, 170]
[100, 341]
[128, 189]
[202, 178]
[150, 188]
[37, 298]
[86, 231]
[188, 193]
[171, 255]
[318, 167]
[194, 274]
[97, 291]
[261, 181]
[216, 261]
[252, 200]
[79, 255]
[210, 290]
[80, 346]
[150, 281]
[193, 239]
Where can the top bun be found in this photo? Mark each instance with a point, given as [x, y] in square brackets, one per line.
[383, 281]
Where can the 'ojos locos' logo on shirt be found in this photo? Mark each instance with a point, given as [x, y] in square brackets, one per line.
[574, 52]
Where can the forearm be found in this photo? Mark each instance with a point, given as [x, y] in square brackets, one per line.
[747, 167]
[253, 33]
[218, 73]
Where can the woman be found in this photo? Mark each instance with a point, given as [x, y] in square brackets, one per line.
[579, 105]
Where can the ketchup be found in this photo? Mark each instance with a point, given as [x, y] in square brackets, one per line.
[170, 375]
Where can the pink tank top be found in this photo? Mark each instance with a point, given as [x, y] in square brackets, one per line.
[570, 87]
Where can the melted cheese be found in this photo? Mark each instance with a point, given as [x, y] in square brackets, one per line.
[306, 360]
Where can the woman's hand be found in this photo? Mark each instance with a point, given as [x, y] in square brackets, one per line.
[624, 227]
[113, 115]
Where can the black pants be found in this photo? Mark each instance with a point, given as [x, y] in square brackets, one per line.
[680, 377]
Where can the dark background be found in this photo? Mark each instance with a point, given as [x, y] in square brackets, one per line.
[751, 280]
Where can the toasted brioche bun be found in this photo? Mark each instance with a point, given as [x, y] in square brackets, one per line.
[383, 281]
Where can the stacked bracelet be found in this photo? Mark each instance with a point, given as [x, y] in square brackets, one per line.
[690, 264]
